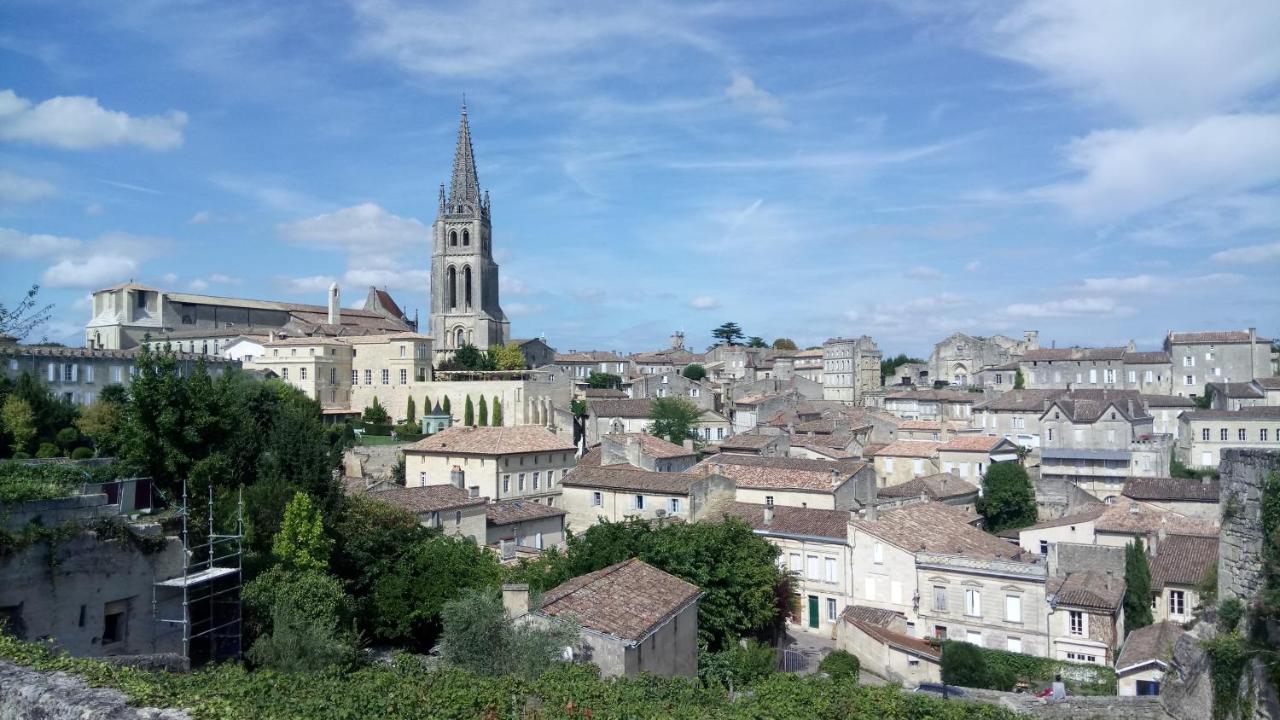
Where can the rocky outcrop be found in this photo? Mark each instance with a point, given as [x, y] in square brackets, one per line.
[1240, 544]
[1103, 707]
[1186, 691]
[31, 695]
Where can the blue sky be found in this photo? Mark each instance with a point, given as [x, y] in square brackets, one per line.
[1097, 171]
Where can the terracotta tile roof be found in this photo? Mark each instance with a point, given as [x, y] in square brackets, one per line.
[833, 524]
[938, 487]
[1090, 514]
[1131, 518]
[971, 443]
[591, 458]
[1255, 412]
[1075, 353]
[1090, 589]
[1183, 560]
[934, 395]
[780, 473]
[824, 426]
[1243, 390]
[909, 448]
[589, 356]
[93, 353]
[1173, 489]
[870, 450]
[604, 393]
[1268, 383]
[871, 615]
[628, 600]
[748, 442]
[1158, 357]
[1020, 400]
[925, 425]
[1228, 336]
[654, 446]
[428, 498]
[628, 408]
[913, 645]
[626, 477]
[491, 441]
[935, 527]
[1088, 406]
[825, 450]
[506, 512]
[1153, 643]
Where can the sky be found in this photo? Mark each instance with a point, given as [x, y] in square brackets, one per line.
[1097, 171]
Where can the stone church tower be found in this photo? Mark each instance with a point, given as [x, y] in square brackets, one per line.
[464, 277]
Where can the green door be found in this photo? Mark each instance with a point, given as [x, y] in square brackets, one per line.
[813, 611]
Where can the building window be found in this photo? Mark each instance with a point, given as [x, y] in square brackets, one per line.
[457, 517]
[673, 506]
[1044, 547]
[386, 376]
[115, 621]
[1013, 644]
[506, 484]
[869, 588]
[940, 632]
[1148, 376]
[638, 501]
[877, 553]
[795, 563]
[1075, 621]
[333, 376]
[1177, 602]
[1189, 361]
[1050, 438]
[1204, 434]
[1240, 434]
[939, 598]
[972, 603]
[368, 377]
[1093, 376]
[831, 609]
[284, 373]
[1012, 608]
[1189, 380]
[404, 376]
[302, 373]
[812, 567]
[829, 569]
[597, 499]
[537, 480]
[973, 637]
[1262, 435]
[1133, 376]
[1222, 434]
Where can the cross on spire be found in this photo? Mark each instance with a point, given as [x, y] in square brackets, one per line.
[464, 187]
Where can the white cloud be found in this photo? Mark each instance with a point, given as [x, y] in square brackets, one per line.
[1128, 171]
[93, 209]
[221, 279]
[90, 272]
[1071, 307]
[201, 218]
[16, 189]
[360, 226]
[313, 285]
[744, 92]
[15, 244]
[520, 309]
[1249, 254]
[169, 278]
[512, 285]
[78, 123]
[973, 266]
[198, 285]
[704, 302]
[923, 272]
[1136, 283]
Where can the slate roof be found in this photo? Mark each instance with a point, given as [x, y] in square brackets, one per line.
[1152, 643]
[935, 527]
[654, 446]
[628, 600]
[506, 512]
[491, 441]
[910, 448]
[1173, 489]
[938, 487]
[384, 299]
[1020, 400]
[1183, 560]
[626, 477]
[428, 498]
[884, 635]
[1213, 337]
[780, 473]
[787, 520]
[1090, 589]
[1255, 412]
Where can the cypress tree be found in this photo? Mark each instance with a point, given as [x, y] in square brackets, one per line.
[497, 412]
[484, 412]
[426, 404]
[1137, 587]
[448, 410]
[469, 413]
[410, 411]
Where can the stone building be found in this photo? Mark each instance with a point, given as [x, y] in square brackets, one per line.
[672, 384]
[1086, 616]
[646, 452]
[631, 415]
[1145, 657]
[500, 463]
[959, 357]
[794, 482]
[1205, 434]
[1200, 358]
[850, 369]
[464, 278]
[617, 492]
[1179, 566]
[1098, 439]
[1015, 415]
[524, 526]
[952, 405]
[1113, 368]
[450, 508]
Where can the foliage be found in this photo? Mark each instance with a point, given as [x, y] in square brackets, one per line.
[68, 438]
[82, 453]
[1179, 470]
[307, 597]
[728, 333]
[1229, 613]
[1228, 655]
[784, 344]
[694, 372]
[407, 691]
[1019, 380]
[19, 421]
[411, 410]
[48, 450]
[469, 357]
[755, 341]
[1137, 587]
[496, 420]
[507, 357]
[889, 365]
[49, 413]
[841, 665]
[27, 315]
[301, 542]
[1205, 401]
[1000, 670]
[398, 470]
[478, 636]
[964, 664]
[375, 413]
[1008, 500]
[578, 407]
[739, 665]
[446, 407]
[469, 413]
[606, 381]
[100, 422]
[483, 414]
[735, 568]
[674, 419]
[21, 482]
[298, 643]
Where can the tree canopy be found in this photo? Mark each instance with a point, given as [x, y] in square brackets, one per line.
[1137, 587]
[602, 380]
[755, 341]
[728, 333]
[19, 320]
[784, 344]
[1008, 500]
[507, 357]
[674, 419]
[694, 372]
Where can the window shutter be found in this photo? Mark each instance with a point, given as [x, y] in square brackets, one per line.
[53, 372]
[75, 372]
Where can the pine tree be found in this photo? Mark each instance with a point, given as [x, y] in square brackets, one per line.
[410, 412]
[497, 412]
[484, 412]
[1137, 587]
[469, 413]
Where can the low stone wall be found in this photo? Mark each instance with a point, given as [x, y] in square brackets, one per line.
[28, 694]
[1110, 707]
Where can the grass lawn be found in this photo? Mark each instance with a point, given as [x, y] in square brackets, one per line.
[377, 440]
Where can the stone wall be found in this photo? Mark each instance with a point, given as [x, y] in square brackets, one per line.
[58, 696]
[373, 462]
[1240, 544]
[1109, 707]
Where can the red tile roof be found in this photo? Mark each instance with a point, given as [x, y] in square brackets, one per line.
[492, 441]
[1183, 560]
[628, 600]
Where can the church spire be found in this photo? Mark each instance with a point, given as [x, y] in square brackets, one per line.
[464, 188]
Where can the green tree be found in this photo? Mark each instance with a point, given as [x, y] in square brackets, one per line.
[1019, 381]
[889, 365]
[19, 320]
[738, 665]
[1137, 587]
[497, 412]
[604, 381]
[694, 372]
[469, 413]
[483, 413]
[407, 596]
[426, 404]
[375, 413]
[446, 407]
[964, 664]
[301, 542]
[19, 422]
[674, 418]
[478, 637]
[100, 422]
[784, 344]
[755, 341]
[292, 620]
[1008, 499]
[1205, 401]
[469, 357]
[841, 665]
[410, 410]
[728, 333]
[68, 438]
[507, 357]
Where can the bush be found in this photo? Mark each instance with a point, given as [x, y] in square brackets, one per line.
[480, 638]
[379, 429]
[1229, 613]
[964, 664]
[1001, 670]
[48, 450]
[67, 438]
[300, 643]
[841, 665]
[81, 453]
[743, 664]
[21, 456]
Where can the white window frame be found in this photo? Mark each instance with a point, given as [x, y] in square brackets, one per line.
[1013, 608]
[973, 602]
[597, 498]
[1077, 625]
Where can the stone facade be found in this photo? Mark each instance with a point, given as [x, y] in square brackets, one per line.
[1200, 358]
[1205, 436]
[959, 357]
[850, 368]
[1240, 541]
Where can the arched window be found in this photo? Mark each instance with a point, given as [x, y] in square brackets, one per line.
[460, 339]
[466, 237]
[453, 237]
[451, 287]
[466, 285]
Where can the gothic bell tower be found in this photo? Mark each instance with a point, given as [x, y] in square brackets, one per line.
[464, 277]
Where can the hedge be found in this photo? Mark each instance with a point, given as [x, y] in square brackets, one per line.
[22, 482]
[376, 428]
[1080, 678]
[407, 691]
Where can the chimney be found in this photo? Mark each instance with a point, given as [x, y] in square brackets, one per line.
[871, 512]
[768, 514]
[835, 477]
[1253, 346]
[1132, 346]
[719, 468]
[515, 599]
[335, 310]
[271, 336]
[457, 477]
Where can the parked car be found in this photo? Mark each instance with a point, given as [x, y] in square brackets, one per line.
[943, 691]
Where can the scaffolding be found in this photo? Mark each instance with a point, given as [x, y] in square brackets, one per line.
[209, 587]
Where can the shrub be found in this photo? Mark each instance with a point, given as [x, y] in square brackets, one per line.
[299, 643]
[744, 663]
[81, 453]
[480, 638]
[48, 450]
[964, 664]
[22, 456]
[67, 438]
[378, 429]
[841, 665]
[1229, 613]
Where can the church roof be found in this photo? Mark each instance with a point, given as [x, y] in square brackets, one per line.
[464, 186]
